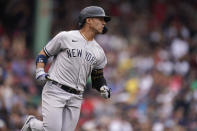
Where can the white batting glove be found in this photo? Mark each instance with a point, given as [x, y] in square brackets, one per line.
[105, 92]
[41, 75]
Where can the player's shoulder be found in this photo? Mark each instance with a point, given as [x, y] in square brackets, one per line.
[67, 34]
[61, 34]
[71, 32]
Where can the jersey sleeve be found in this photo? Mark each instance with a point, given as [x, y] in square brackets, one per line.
[101, 60]
[55, 45]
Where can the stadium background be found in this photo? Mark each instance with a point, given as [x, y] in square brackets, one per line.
[152, 63]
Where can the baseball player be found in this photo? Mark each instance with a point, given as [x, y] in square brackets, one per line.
[76, 56]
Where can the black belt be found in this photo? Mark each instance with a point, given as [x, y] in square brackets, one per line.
[67, 88]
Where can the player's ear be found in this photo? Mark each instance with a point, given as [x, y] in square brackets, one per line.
[88, 20]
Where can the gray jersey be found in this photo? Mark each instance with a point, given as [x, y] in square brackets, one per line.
[74, 58]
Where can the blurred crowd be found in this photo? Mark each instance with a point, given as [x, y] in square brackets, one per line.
[152, 65]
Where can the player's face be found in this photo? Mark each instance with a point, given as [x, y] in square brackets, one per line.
[97, 24]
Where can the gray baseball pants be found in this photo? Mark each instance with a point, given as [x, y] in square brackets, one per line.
[60, 110]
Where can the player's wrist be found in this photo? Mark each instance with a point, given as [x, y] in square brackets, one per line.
[40, 72]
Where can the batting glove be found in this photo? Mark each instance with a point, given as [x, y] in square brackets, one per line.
[105, 92]
[41, 75]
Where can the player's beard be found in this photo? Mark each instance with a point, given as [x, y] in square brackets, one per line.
[100, 30]
[97, 30]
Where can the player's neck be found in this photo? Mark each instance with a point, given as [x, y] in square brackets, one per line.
[87, 34]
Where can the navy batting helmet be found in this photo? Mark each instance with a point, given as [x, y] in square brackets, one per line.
[92, 12]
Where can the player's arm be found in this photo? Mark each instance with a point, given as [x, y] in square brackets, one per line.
[99, 83]
[41, 61]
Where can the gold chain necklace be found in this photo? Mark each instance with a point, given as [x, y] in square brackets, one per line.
[83, 35]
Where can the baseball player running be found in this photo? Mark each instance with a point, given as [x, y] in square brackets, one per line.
[76, 56]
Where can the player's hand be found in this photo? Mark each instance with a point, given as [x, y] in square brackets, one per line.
[105, 92]
[41, 76]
